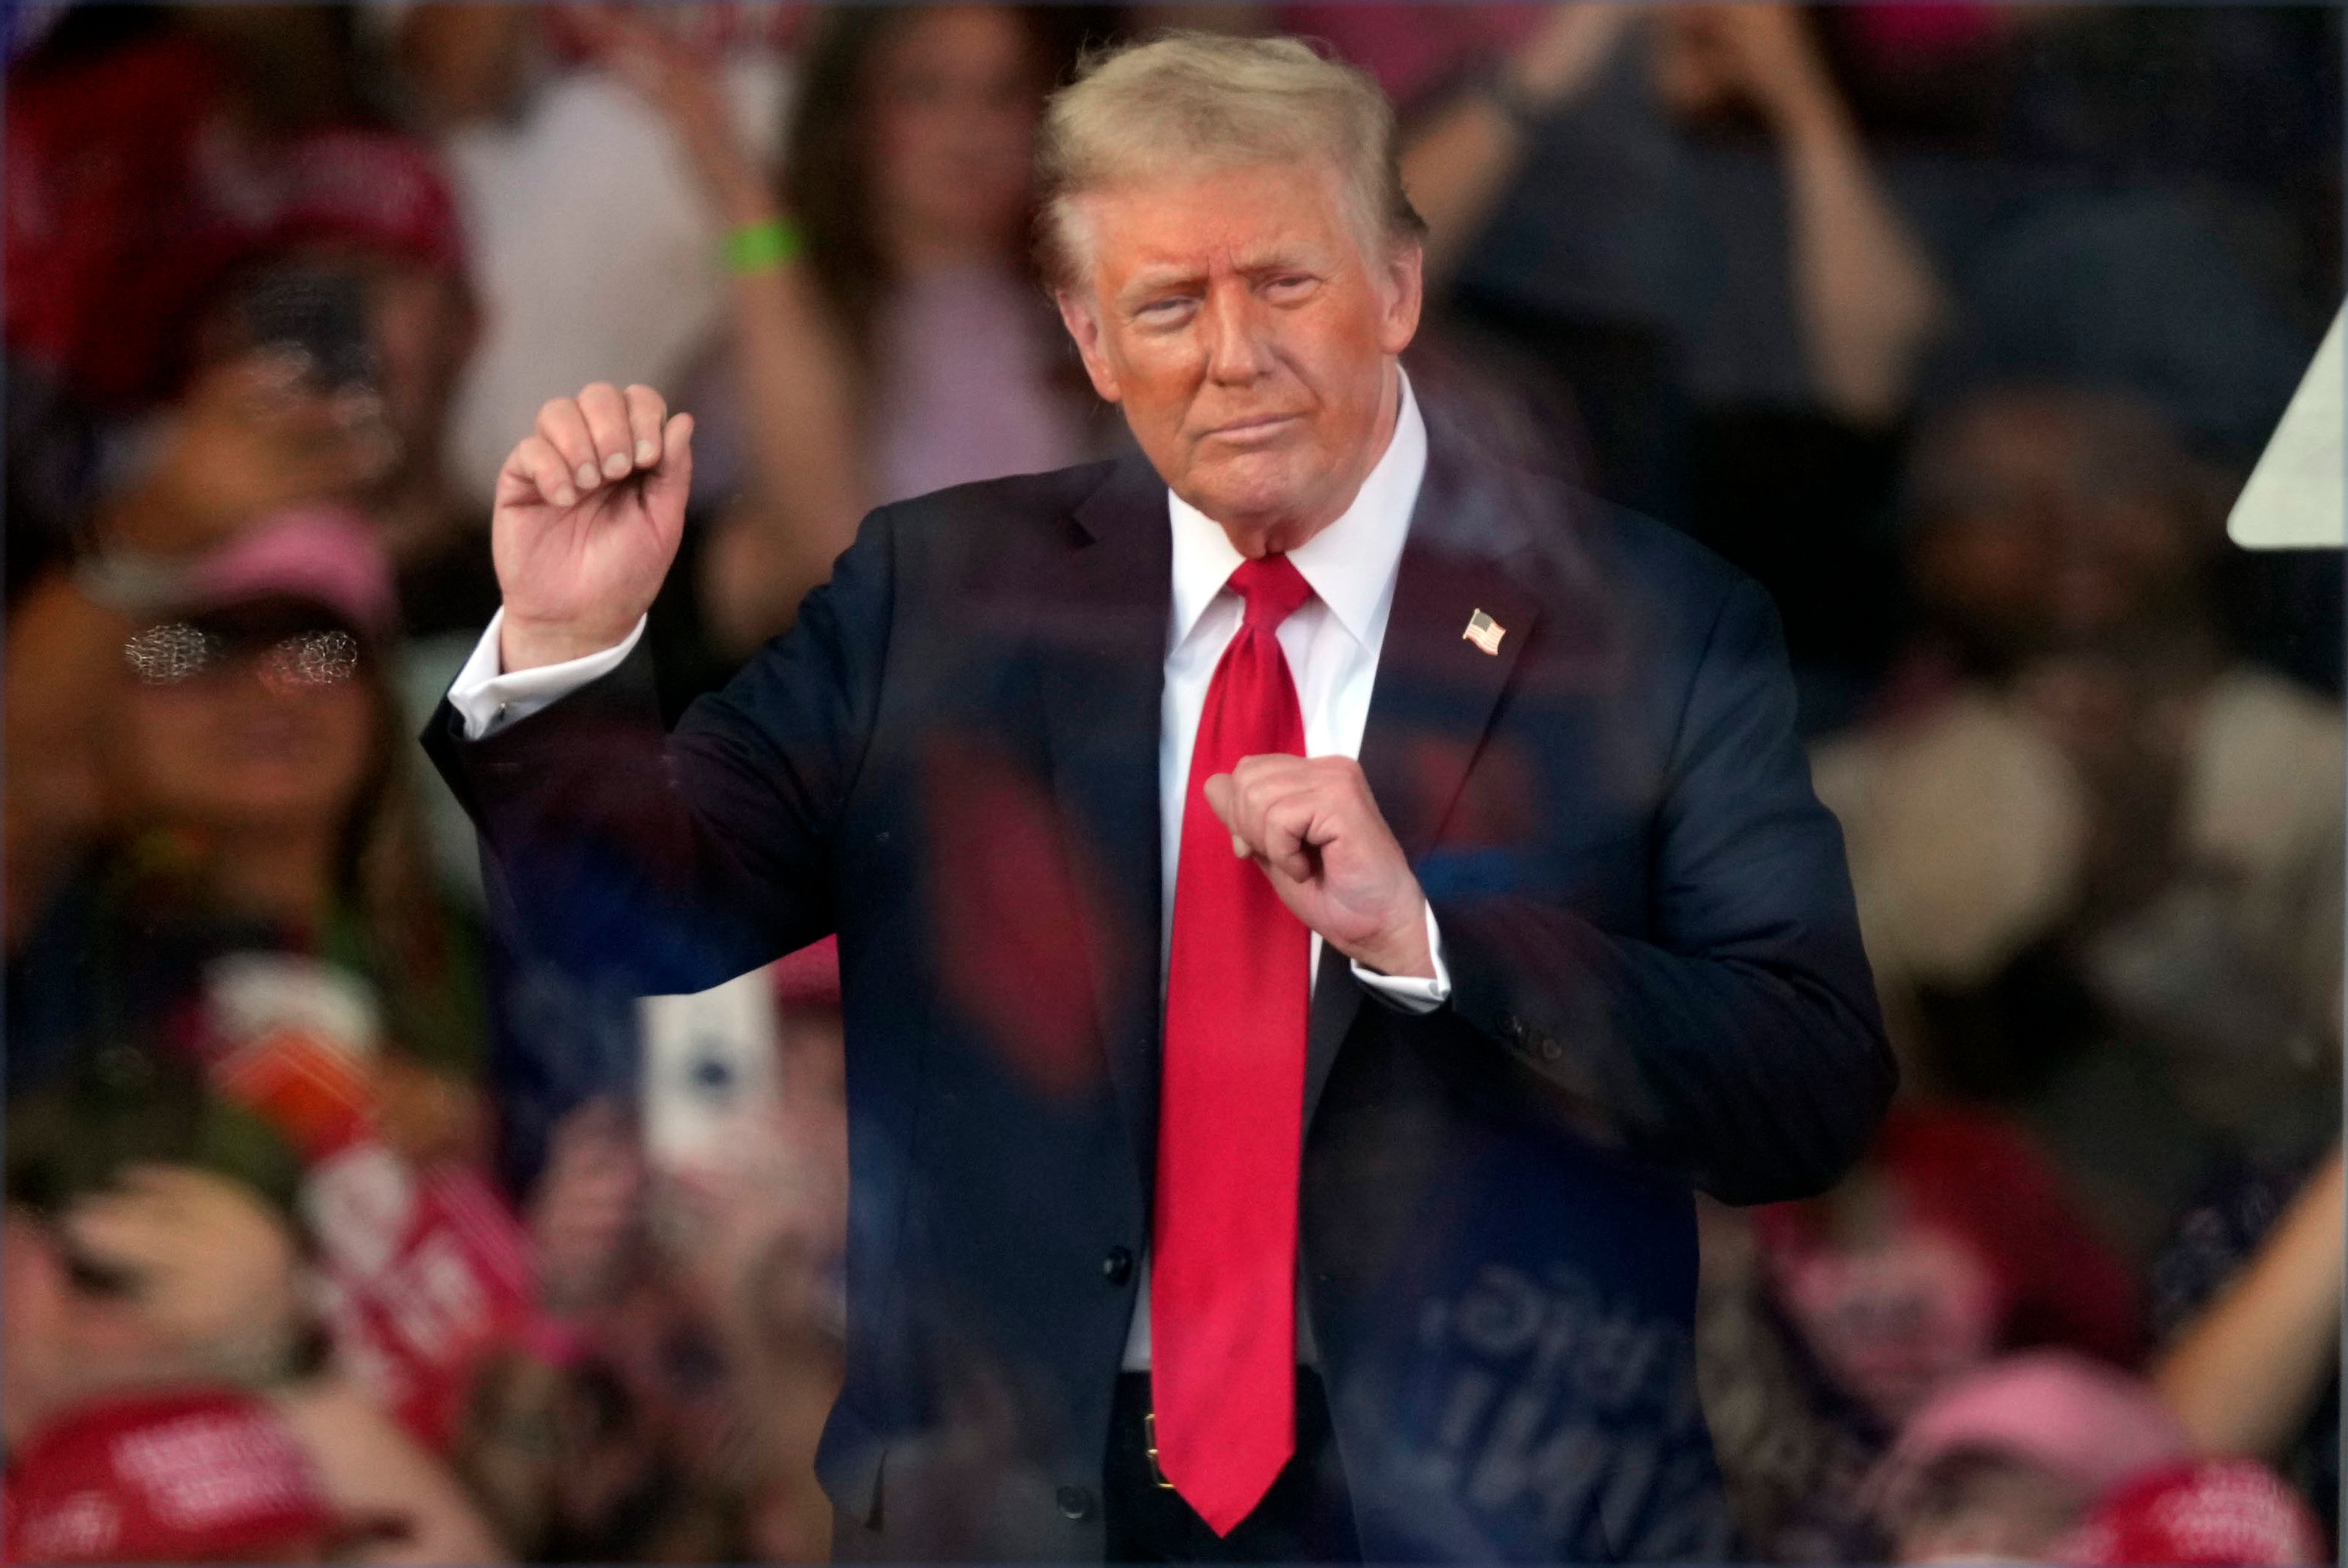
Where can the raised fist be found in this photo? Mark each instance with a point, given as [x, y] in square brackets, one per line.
[590, 507]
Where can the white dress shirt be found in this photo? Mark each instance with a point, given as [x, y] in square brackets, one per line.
[1332, 643]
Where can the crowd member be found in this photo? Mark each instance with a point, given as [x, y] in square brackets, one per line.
[312, 358]
[179, 1284]
[1486, 169]
[2135, 196]
[1827, 1324]
[257, 747]
[159, 158]
[324, 357]
[2122, 193]
[543, 141]
[1673, 212]
[2097, 855]
[137, 140]
[255, 973]
[620, 1438]
[1795, 1449]
[1414, 49]
[784, 1275]
[890, 334]
[258, 307]
[253, 977]
[323, 342]
[1951, 1242]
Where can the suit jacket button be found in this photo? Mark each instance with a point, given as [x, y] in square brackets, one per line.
[1075, 1502]
[1512, 1029]
[1550, 1050]
[1116, 1266]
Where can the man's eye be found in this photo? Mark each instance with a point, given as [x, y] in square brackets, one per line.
[1292, 285]
[1159, 313]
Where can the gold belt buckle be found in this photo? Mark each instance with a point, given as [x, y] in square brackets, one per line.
[1149, 1445]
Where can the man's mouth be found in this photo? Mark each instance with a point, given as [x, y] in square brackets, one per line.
[1257, 428]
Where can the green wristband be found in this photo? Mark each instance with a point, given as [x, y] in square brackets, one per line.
[763, 247]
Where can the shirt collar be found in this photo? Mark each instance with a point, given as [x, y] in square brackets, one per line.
[1350, 564]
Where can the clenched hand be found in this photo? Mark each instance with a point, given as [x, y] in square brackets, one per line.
[590, 507]
[1312, 823]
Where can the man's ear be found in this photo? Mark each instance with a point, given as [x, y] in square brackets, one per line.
[1076, 312]
[1405, 293]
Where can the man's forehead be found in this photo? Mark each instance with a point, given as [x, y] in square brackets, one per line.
[1214, 184]
[1243, 217]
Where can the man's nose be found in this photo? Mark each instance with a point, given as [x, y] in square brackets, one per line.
[1236, 349]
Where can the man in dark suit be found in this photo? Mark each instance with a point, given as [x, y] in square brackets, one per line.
[1313, 901]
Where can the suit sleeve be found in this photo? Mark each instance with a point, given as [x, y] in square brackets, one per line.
[676, 861]
[1736, 1041]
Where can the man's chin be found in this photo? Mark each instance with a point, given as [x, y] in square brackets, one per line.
[1252, 493]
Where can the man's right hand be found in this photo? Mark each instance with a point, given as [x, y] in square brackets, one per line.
[590, 507]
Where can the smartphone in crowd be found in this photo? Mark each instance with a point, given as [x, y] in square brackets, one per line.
[710, 1076]
[320, 313]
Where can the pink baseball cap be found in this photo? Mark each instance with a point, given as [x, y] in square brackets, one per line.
[325, 554]
[2089, 1423]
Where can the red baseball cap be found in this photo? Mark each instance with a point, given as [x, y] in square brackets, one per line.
[180, 1477]
[2216, 1512]
[375, 189]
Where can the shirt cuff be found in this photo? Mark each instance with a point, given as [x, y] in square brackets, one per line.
[487, 699]
[1410, 993]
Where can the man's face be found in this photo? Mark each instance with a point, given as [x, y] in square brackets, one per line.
[1236, 317]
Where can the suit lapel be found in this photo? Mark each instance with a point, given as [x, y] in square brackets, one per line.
[1434, 699]
[1100, 634]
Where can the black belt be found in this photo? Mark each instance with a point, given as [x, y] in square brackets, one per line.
[1137, 1386]
[1305, 1517]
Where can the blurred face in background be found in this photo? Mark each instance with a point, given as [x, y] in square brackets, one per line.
[1249, 330]
[2056, 535]
[371, 430]
[274, 730]
[1982, 1506]
[953, 97]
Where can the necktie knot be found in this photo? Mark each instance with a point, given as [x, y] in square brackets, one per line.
[1273, 588]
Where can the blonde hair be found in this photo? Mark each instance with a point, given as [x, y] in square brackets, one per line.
[1183, 99]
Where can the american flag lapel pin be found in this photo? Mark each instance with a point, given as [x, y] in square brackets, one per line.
[1485, 632]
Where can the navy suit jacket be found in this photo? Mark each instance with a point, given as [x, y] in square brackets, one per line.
[952, 760]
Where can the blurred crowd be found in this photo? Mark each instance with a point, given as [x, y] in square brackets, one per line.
[335, 1229]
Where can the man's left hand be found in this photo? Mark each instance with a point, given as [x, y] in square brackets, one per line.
[1312, 823]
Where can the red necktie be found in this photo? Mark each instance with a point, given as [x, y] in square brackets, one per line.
[1222, 1278]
